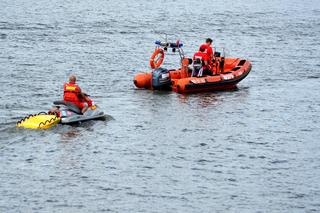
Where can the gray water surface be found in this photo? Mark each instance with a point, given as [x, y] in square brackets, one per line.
[255, 149]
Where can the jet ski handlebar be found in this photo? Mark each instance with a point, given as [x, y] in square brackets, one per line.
[168, 44]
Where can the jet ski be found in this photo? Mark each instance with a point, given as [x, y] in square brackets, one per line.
[62, 112]
[70, 113]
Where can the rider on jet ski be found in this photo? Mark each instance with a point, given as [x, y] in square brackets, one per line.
[73, 94]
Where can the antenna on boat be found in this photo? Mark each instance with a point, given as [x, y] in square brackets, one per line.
[164, 36]
[223, 59]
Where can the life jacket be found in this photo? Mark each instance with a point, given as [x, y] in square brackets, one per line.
[71, 92]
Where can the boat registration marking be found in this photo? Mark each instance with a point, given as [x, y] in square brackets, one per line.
[227, 77]
[198, 81]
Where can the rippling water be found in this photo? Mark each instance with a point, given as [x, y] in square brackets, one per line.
[255, 149]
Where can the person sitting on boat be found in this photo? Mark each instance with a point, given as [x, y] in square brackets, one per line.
[201, 63]
[73, 94]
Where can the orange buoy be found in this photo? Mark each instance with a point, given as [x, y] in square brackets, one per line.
[156, 58]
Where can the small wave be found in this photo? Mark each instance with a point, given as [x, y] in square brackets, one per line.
[313, 77]
[279, 161]
[232, 180]
[3, 36]
[27, 64]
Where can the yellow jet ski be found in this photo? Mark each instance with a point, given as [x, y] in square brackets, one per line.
[64, 113]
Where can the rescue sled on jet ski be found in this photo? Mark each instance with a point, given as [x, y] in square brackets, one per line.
[62, 112]
[229, 72]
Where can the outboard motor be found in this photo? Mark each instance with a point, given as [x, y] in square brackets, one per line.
[161, 79]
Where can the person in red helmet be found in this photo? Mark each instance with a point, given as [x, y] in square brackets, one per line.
[201, 62]
[73, 94]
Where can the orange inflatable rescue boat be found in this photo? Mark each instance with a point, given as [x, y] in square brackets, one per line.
[228, 72]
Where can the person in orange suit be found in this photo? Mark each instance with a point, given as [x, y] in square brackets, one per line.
[73, 94]
[210, 54]
[202, 58]
[208, 46]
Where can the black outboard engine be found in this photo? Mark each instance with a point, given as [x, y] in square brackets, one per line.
[161, 79]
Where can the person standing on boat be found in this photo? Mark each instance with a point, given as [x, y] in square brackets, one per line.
[208, 46]
[73, 94]
[201, 58]
[209, 52]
